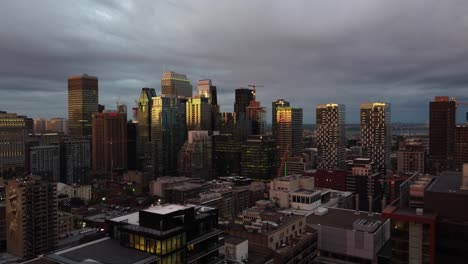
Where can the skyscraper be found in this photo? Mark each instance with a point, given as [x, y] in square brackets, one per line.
[31, 216]
[461, 147]
[256, 114]
[82, 103]
[76, 161]
[227, 123]
[442, 121]
[289, 131]
[331, 136]
[143, 138]
[274, 106]
[110, 140]
[242, 101]
[175, 84]
[226, 155]
[258, 157]
[376, 134]
[45, 162]
[168, 133]
[12, 144]
[198, 114]
[195, 156]
[206, 89]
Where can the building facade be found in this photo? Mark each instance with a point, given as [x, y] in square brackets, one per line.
[206, 89]
[289, 131]
[45, 162]
[83, 94]
[411, 157]
[376, 134]
[198, 114]
[256, 114]
[331, 136]
[243, 96]
[12, 144]
[143, 137]
[274, 106]
[258, 157]
[175, 84]
[461, 147]
[195, 156]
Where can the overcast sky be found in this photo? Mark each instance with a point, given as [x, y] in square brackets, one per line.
[307, 52]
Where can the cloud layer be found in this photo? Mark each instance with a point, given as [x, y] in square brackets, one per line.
[308, 52]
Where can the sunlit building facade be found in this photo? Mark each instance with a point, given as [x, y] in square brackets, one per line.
[82, 103]
[331, 136]
[175, 84]
[274, 106]
[289, 131]
[143, 131]
[208, 90]
[198, 114]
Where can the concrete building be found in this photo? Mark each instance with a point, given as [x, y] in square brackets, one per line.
[12, 144]
[331, 136]
[330, 179]
[110, 140]
[57, 125]
[282, 188]
[442, 121]
[162, 231]
[235, 250]
[176, 84]
[376, 135]
[31, 216]
[349, 236]
[83, 94]
[411, 158]
[65, 223]
[45, 162]
[76, 161]
[195, 156]
[75, 191]
[158, 186]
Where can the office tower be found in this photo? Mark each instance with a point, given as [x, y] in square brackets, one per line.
[289, 131]
[110, 140]
[198, 114]
[168, 133]
[143, 138]
[206, 89]
[461, 147]
[227, 123]
[83, 97]
[274, 106]
[175, 84]
[39, 126]
[226, 155]
[364, 181]
[12, 144]
[256, 114]
[258, 157]
[411, 157]
[45, 162]
[31, 216]
[57, 125]
[76, 161]
[242, 101]
[376, 135]
[331, 136]
[131, 145]
[442, 120]
[195, 156]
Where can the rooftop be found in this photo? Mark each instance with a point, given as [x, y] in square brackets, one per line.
[343, 218]
[165, 208]
[448, 182]
[234, 240]
[104, 250]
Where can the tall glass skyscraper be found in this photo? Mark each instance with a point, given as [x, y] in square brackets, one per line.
[143, 138]
[198, 116]
[331, 136]
[175, 84]
[274, 106]
[289, 131]
[242, 101]
[82, 103]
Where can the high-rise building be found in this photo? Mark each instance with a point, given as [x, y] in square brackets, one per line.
[442, 121]
[39, 125]
[206, 89]
[242, 101]
[12, 144]
[175, 84]
[226, 155]
[258, 157]
[76, 161]
[331, 136]
[82, 103]
[198, 114]
[289, 131]
[31, 216]
[195, 156]
[228, 123]
[45, 162]
[143, 138]
[461, 147]
[411, 157]
[376, 135]
[274, 106]
[110, 140]
[256, 114]
[168, 133]
[364, 182]
[57, 125]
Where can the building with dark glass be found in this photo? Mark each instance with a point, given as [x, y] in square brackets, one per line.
[76, 161]
[256, 114]
[143, 137]
[442, 121]
[175, 84]
[174, 233]
[331, 136]
[243, 96]
[226, 155]
[288, 131]
[228, 122]
[45, 162]
[206, 89]
[198, 114]
[195, 156]
[82, 103]
[168, 133]
[274, 106]
[258, 157]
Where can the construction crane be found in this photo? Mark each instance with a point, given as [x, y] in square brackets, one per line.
[283, 161]
[254, 86]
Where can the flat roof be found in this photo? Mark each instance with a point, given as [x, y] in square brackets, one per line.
[165, 209]
[234, 240]
[105, 250]
[133, 219]
[343, 218]
[448, 182]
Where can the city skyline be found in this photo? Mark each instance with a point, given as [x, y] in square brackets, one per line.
[313, 57]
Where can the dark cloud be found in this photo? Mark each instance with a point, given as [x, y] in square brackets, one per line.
[308, 52]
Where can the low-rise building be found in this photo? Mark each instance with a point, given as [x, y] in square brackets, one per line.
[75, 191]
